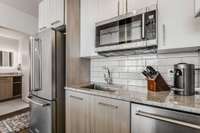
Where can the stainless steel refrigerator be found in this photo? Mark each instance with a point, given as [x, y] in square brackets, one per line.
[47, 97]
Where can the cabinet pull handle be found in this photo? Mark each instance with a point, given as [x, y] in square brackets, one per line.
[186, 124]
[55, 22]
[75, 97]
[43, 28]
[143, 26]
[126, 6]
[164, 34]
[108, 105]
[118, 7]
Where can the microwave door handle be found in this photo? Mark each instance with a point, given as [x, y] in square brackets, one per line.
[143, 26]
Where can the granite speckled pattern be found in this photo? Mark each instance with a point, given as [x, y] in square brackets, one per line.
[165, 99]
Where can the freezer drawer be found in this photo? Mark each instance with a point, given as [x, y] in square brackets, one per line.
[147, 119]
[42, 116]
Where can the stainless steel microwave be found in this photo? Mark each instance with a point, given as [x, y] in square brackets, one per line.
[128, 32]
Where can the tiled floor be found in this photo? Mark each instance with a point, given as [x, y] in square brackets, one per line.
[12, 106]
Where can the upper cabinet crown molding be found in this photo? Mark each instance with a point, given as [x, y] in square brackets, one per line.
[51, 14]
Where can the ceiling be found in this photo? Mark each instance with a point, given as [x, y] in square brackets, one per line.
[27, 6]
[4, 32]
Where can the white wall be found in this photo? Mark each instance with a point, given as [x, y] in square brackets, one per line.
[25, 63]
[17, 20]
[10, 45]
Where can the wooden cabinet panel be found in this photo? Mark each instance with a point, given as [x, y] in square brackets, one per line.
[77, 113]
[51, 14]
[107, 9]
[134, 5]
[6, 88]
[197, 7]
[44, 15]
[110, 116]
[177, 26]
[89, 10]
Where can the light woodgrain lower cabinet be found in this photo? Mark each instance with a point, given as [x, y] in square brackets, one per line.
[6, 88]
[77, 112]
[93, 114]
[110, 116]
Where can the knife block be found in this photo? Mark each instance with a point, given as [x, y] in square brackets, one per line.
[157, 84]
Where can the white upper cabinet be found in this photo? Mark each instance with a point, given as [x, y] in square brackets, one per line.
[43, 14]
[177, 26]
[89, 15]
[107, 9]
[134, 5]
[51, 13]
[57, 13]
[197, 8]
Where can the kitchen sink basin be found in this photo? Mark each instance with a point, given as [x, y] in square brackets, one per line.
[107, 88]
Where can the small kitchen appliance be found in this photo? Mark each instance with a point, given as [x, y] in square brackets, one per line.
[184, 79]
[125, 33]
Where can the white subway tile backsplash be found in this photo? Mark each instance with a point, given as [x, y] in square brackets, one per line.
[127, 70]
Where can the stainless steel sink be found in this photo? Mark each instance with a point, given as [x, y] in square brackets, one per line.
[100, 87]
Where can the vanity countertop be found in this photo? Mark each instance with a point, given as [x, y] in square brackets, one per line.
[10, 74]
[164, 99]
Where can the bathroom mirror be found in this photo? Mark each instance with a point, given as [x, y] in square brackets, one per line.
[6, 59]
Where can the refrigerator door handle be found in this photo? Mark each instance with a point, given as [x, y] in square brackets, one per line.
[39, 55]
[37, 103]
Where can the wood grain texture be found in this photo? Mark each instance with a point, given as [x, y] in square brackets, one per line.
[77, 113]
[78, 69]
[6, 88]
[110, 116]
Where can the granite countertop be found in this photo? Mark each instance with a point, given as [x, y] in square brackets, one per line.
[164, 99]
[10, 74]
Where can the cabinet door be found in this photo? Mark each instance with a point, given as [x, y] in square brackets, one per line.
[6, 88]
[41, 15]
[134, 5]
[197, 7]
[107, 9]
[44, 15]
[57, 16]
[110, 116]
[177, 26]
[89, 13]
[77, 112]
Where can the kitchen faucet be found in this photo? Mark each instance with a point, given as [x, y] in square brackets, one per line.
[108, 75]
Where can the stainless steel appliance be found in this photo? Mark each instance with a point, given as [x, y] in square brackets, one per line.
[128, 32]
[147, 119]
[47, 82]
[184, 79]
